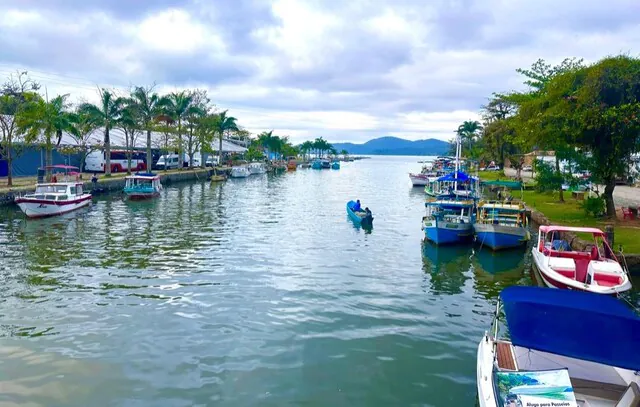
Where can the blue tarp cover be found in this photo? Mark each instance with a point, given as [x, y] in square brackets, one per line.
[452, 177]
[576, 324]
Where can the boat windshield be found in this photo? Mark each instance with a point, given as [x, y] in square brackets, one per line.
[43, 189]
[139, 182]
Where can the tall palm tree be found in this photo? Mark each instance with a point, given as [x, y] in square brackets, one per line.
[224, 123]
[129, 122]
[468, 131]
[105, 114]
[83, 128]
[147, 104]
[176, 105]
[306, 147]
[47, 120]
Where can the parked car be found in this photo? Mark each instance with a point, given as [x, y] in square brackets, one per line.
[527, 168]
[492, 168]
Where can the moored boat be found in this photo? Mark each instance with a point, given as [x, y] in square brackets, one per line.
[360, 217]
[257, 168]
[217, 178]
[292, 165]
[142, 186]
[566, 348]
[335, 165]
[316, 164]
[448, 221]
[239, 171]
[595, 269]
[325, 164]
[62, 195]
[501, 225]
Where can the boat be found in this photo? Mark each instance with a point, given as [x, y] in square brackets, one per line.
[326, 164]
[501, 225]
[217, 178]
[423, 178]
[448, 221]
[364, 218]
[257, 168]
[63, 194]
[292, 164]
[565, 348]
[335, 165]
[240, 171]
[142, 186]
[316, 164]
[595, 269]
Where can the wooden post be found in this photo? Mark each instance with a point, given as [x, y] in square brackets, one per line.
[608, 231]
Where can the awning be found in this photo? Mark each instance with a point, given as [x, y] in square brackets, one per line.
[227, 147]
[575, 324]
[455, 176]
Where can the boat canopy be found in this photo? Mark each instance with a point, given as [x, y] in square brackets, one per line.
[553, 228]
[575, 324]
[505, 184]
[455, 176]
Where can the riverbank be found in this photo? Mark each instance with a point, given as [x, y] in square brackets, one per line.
[115, 182]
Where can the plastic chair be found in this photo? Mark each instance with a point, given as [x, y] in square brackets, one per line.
[626, 213]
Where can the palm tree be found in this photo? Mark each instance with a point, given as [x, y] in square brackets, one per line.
[106, 115]
[83, 130]
[306, 147]
[468, 130]
[344, 153]
[224, 123]
[129, 122]
[265, 140]
[147, 105]
[46, 119]
[177, 105]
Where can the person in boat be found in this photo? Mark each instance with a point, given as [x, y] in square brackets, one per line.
[367, 211]
[357, 207]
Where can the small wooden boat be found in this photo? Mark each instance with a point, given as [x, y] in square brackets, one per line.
[217, 178]
[142, 186]
[501, 225]
[596, 269]
[63, 194]
[292, 165]
[565, 347]
[361, 217]
[335, 165]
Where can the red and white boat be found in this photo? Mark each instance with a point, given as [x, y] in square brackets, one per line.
[63, 194]
[595, 270]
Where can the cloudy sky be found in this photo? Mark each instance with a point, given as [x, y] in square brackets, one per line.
[345, 70]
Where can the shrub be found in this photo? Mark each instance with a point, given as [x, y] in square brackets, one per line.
[547, 179]
[594, 206]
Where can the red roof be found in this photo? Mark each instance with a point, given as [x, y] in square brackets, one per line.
[555, 228]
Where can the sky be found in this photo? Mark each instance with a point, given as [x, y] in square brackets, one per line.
[343, 70]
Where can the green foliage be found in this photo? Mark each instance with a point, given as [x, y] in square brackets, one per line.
[547, 178]
[594, 206]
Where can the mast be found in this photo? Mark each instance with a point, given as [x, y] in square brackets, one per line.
[458, 152]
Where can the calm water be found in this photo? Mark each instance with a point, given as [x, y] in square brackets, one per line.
[253, 292]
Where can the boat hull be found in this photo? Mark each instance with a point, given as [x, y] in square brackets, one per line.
[499, 237]
[366, 221]
[419, 181]
[138, 196]
[41, 208]
[442, 232]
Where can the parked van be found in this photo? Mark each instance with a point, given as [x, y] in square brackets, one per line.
[170, 161]
[95, 161]
[212, 161]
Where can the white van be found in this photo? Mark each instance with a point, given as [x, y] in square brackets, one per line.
[95, 161]
[170, 161]
[212, 161]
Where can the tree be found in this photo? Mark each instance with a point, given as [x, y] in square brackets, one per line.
[146, 102]
[224, 124]
[306, 148]
[176, 105]
[129, 122]
[106, 115]
[344, 153]
[193, 116]
[83, 128]
[41, 121]
[468, 132]
[14, 95]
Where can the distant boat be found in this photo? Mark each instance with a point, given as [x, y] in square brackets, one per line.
[359, 217]
[217, 178]
[55, 198]
[292, 164]
[142, 186]
[240, 171]
[326, 164]
[257, 168]
[335, 165]
[316, 165]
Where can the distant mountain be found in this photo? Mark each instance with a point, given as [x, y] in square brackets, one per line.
[395, 146]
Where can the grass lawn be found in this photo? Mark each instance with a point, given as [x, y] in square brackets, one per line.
[492, 176]
[570, 213]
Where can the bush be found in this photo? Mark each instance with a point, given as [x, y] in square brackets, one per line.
[547, 179]
[594, 206]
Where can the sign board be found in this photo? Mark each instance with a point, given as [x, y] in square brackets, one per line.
[546, 388]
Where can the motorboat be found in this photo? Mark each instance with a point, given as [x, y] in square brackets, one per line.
[501, 225]
[593, 269]
[142, 186]
[257, 168]
[316, 164]
[448, 221]
[325, 164]
[239, 171]
[565, 348]
[426, 175]
[64, 193]
[359, 217]
[335, 165]
[292, 164]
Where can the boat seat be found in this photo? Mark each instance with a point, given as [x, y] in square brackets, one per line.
[564, 266]
[631, 396]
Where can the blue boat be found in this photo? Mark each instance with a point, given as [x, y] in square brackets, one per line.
[359, 217]
[335, 165]
[142, 186]
[501, 225]
[448, 221]
[326, 164]
[316, 165]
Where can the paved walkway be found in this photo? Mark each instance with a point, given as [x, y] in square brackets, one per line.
[623, 195]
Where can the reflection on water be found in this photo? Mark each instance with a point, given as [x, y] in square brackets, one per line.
[255, 291]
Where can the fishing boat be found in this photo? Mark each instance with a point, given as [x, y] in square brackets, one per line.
[595, 269]
[565, 348]
[448, 221]
[426, 175]
[142, 186]
[257, 168]
[361, 217]
[316, 164]
[62, 195]
[326, 164]
[292, 164]
[335, 165]
[240, 171]
[501, 225]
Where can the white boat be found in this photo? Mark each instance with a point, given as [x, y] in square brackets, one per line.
[257, 168]
[596, 269]
[63, 194]
[240, 171]
[566, 348]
